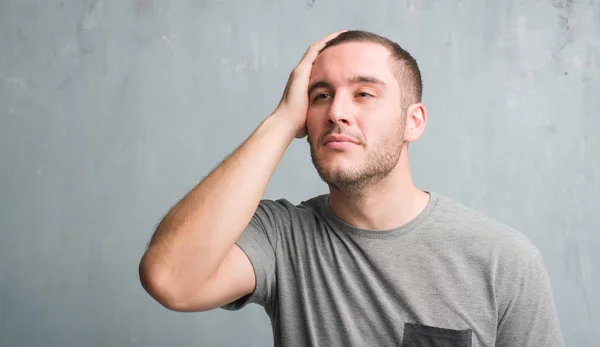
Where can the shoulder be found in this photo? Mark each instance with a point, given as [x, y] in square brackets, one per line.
[472, 227]
[282, 210]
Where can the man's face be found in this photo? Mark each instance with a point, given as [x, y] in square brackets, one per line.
[355, 117]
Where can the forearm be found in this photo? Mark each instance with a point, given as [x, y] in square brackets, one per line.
[195, 235]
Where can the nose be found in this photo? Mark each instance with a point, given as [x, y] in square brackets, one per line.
[338, 112]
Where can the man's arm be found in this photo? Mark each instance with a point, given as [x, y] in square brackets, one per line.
[530, 319]
[192, 263]
[196, 236]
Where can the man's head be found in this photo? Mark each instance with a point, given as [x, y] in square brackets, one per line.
[403, 65]
[367, 90]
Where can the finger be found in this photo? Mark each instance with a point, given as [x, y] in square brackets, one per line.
[318, 46]
[331, 36]
[314, 49]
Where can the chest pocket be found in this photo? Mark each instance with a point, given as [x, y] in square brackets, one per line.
[417, 335]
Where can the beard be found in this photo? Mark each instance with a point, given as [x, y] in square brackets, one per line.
[379, 162]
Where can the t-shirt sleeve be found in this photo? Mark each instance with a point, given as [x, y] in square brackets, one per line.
[530, 319]
[258, 241]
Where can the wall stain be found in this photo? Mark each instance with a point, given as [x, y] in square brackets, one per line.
[90, 20]
[565, 8]
[143, 8]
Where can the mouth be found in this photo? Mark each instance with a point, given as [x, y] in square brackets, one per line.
[339, 145]
[339, 141]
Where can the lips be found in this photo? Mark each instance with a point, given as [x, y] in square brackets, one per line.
[339, 138]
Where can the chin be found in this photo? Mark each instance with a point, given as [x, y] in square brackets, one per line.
[332, 163]
[331, 171]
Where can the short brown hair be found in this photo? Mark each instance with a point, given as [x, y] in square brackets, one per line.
[407, 69]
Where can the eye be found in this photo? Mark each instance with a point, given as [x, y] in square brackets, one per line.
[364, 95]
[321, 96]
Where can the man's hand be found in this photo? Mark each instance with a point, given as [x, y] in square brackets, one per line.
[294, 102]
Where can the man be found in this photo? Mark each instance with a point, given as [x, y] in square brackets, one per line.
[377, 261]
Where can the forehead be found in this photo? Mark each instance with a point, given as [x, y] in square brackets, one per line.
[346, 60]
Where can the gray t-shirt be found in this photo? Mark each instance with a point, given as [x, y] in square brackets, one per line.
[450, 277]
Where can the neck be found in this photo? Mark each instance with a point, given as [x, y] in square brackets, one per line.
[386, 204]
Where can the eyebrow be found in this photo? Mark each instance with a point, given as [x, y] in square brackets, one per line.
[354, 80]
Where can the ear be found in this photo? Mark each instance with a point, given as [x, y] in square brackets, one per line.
[416, 119]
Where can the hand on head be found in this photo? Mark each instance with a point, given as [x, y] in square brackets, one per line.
[294, 102]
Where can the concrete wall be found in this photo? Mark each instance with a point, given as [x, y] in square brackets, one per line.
[111, 110]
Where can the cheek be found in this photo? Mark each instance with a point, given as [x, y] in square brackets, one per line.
[377, 130]
[314, 124]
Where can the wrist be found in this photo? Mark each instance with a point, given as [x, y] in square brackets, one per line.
[284, 124]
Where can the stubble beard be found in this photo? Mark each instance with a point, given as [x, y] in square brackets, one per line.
[358, 179]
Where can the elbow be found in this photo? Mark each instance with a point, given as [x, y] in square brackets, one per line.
[157, 282]
[163, 288]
